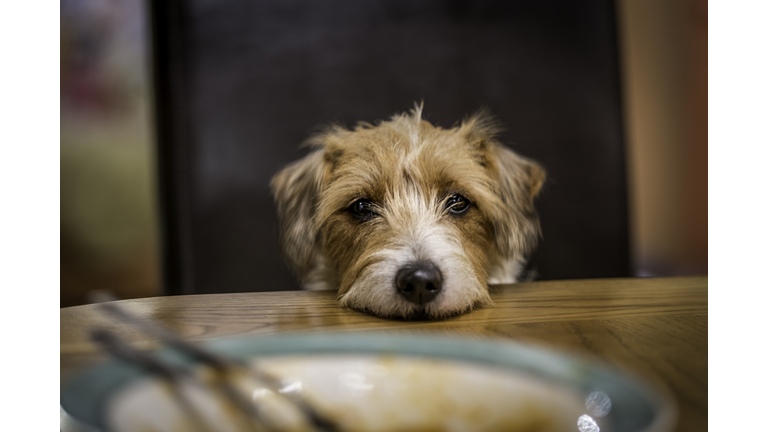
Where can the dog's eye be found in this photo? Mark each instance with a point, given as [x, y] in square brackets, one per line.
[362, 209]
[457, 204]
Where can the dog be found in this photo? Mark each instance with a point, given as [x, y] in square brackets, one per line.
[408, 220]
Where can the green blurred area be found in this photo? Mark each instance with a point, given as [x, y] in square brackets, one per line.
[107, 213]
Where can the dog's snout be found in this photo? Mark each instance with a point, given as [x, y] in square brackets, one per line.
[419, 282]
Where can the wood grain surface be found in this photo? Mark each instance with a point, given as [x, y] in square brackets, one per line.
[656, 328]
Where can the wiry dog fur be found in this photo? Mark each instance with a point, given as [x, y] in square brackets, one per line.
[408, 169]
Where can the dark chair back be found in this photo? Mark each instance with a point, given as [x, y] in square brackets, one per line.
[241, 83]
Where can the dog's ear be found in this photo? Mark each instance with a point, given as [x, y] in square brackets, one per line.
[296, 189]
[516, 182]
[516, 225]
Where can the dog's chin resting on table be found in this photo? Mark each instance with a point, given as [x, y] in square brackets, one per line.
[406, 219]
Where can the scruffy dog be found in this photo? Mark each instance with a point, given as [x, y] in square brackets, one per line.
[406, 219]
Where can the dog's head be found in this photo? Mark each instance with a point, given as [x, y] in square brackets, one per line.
[408, 219]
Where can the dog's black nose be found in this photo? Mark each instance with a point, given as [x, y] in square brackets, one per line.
[419, 282]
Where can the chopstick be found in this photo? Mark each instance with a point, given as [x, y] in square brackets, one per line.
[222, 365]
[119, 348]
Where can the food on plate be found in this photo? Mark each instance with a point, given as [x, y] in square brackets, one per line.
[359, 393]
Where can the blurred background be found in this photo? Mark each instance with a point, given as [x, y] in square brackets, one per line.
[110, 212]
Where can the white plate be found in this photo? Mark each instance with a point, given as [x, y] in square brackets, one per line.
[387, 382]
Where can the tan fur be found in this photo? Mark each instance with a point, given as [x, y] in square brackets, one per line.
[408, 168]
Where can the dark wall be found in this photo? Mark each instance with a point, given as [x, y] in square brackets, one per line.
[241, 83]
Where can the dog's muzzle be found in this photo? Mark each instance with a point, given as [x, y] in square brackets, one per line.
[419, 282]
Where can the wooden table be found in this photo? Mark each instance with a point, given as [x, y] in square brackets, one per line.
[654, 327]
